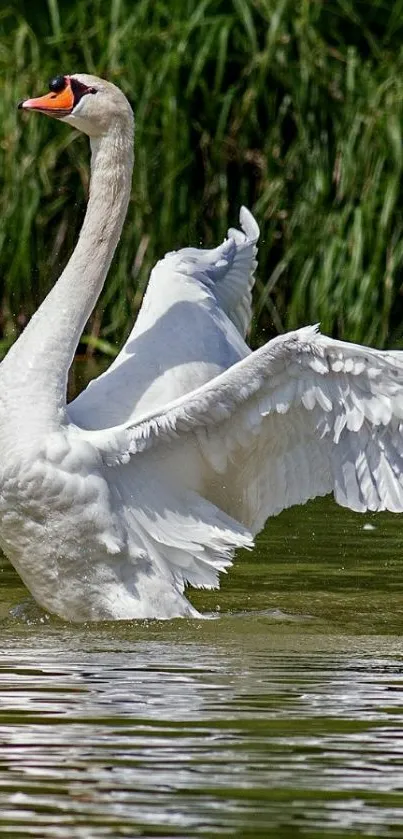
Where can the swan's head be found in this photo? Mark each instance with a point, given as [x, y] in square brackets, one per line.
[90, 104]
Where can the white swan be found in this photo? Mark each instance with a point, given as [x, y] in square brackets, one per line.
[177, 455]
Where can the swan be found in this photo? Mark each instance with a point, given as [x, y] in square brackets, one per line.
[177, 455]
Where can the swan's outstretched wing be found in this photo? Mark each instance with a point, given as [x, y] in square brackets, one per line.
[228, 271]
[302, 416]
[190, 327]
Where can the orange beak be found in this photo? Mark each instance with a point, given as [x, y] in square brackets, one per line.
[54, 104]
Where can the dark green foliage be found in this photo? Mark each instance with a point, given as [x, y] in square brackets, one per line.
[293, 107]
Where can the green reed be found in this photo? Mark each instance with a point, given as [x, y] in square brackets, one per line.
[292, 107]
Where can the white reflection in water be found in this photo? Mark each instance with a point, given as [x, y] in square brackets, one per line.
[195, 737]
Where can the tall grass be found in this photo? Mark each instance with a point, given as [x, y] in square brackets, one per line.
[292, 107]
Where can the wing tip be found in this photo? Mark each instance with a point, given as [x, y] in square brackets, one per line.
[249, 233]
[249, 224]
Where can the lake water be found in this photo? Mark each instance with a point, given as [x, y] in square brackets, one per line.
[281, 717]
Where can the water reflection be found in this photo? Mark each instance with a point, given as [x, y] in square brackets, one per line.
[209, 731]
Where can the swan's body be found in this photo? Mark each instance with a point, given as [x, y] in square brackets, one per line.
[176, 456]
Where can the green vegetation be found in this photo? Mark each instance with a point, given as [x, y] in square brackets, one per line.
[290, 106]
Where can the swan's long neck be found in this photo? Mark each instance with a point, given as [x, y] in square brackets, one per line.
[40, 359]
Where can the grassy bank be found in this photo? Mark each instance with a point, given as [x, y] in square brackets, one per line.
[292, 107]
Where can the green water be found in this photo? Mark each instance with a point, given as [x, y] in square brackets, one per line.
[281, 717]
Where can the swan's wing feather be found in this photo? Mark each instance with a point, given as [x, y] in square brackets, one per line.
[302, 416]
[187, 538]
[228, 271]
[234, 289]
[181, 320]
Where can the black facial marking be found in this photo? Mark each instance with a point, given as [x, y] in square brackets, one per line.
[57, 84]
[79, 90]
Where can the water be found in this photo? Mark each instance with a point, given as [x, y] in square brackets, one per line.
[281, 717]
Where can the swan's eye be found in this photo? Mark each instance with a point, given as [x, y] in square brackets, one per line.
[79, 90]
[57, 84]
